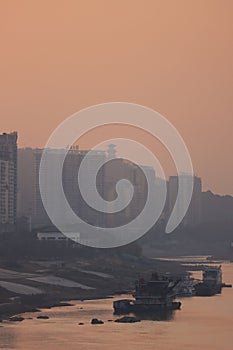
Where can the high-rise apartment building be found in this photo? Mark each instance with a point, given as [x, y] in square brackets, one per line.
[8, 181]
[30, 202]
[105, 180]
[26, 182]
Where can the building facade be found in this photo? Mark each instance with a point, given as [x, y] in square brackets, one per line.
[30, 203]
[114, 169]
[8, 181]
[26, 182]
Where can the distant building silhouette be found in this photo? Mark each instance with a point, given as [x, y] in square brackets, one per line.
[30, 202]
[116, 170]
[26, 181]
[194, 214]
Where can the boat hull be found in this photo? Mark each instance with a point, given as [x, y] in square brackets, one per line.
[204, 289]
[121, 308]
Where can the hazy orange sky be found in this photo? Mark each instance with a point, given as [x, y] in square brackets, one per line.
[174, 56]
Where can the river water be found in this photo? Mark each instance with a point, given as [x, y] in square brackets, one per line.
[202, 323]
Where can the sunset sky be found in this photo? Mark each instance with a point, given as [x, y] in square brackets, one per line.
[175, 56]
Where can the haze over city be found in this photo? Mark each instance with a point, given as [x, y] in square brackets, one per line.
[173, 56]
[116, 195]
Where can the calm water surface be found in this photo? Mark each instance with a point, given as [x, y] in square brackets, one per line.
[203, 323]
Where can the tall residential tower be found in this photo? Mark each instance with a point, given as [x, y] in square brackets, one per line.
[8, 181]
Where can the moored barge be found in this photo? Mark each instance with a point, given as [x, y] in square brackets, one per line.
[212, 281]
[150, 296]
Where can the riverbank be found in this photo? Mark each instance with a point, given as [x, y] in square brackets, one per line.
[78, 279]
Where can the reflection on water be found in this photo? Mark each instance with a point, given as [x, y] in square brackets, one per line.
[158, 315]
[7, 338]
[202, 323]
[162, 315]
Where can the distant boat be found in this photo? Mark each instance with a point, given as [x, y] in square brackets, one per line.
[185, 287]
[154, 295]
[212, 281]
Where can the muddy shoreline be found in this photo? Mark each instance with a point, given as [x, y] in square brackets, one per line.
[8, 310]
[113, 276]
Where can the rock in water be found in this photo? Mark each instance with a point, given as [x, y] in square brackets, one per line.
[43, 317]
[96, 321]
[16, 319]
[127, 319]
